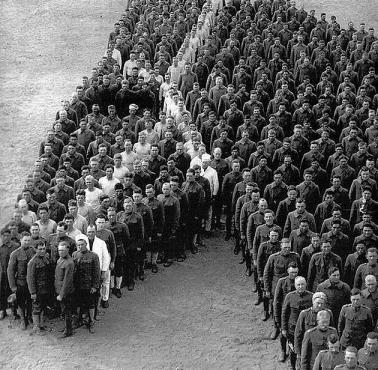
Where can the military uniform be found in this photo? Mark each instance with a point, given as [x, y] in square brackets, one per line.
[368, 359]
[284, 286]
[17, 271]
[294, 303]
[370, 299]
[318, 268]
[64, 287]
[181, 231]
[314, 341]
[134, 222]
[354, 324]
[5, 251]
[362, 271]
[171, 209]
[326, 360]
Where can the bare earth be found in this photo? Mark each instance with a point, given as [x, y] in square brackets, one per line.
[194, 315]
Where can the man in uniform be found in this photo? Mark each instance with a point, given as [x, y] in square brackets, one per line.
[284, 286]
[157, 210]
[320, 264]
[195, 195]
[315, 340]
[355, 321]
[121, 238]
[350, 360]
[134, 222]
[7, 246]
[329, 358]
[369, 268]
[294, 303]
[39, 278]
[17, 269]
[368, 356]
[87, 279]
[64, 285]
[171, 209]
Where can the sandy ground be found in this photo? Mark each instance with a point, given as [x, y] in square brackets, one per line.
[194, 315]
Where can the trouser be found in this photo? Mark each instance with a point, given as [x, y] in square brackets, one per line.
[24, 301]
[130, 265]
[66, 309]
[229, 215]
[208, 218]
[192, 230]
[181, 237]
[259, 286]
[140, 258]
[292, 354]
[268, 304]
[4, 292]
[169, 244]
[217, 209]
[238, 241]
[105, 286]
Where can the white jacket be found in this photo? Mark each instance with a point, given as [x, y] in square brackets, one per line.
[100, 248]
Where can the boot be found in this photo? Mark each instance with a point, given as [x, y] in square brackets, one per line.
[293, 360]
[275, 333]
[282, 356]
[24, 320]
[68, 329]
[91, 321]
[36, 325]
[258, 300]
[265, 316]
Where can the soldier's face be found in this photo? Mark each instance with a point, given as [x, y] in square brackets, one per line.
[355, 300]
[334, 347]
[372, 345]
[292, 272]
[81, 245]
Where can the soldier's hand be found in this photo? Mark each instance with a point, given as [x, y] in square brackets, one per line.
[255, 263]
[59, 298]
[14, 290]
[111, 267]
[139, 249]
[158, 235]
[284, 333]
[33, 297]
[242, 237]
[93, 290]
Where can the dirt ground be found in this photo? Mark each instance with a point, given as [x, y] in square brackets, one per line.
[194, 315]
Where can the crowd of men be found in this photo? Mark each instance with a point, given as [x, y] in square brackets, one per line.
[252, 117]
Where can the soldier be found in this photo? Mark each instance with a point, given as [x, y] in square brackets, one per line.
[284, 286]
[355, 321]
[368, 356]
[157, 210]
[184, 206]
[350, 360]
[369, 296]
[6, 248]
[369, 268]
[309, 251]
[320, 263]
[136, 229]
[64, 285]
[337, 292]
[301, 237]
[87, 280]
[195, 195]
[228, 185]
[39, 278]
[307, 319]
[294, 303]
[17, 269]
[146, 213]
[315, 340]
[171, 209]
[353, 261]
[265, 250]
[121, 238]
[329, 358]
[286, 206]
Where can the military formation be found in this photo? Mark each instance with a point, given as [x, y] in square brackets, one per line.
[253, 118]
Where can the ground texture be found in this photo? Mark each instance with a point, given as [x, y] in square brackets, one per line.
[195, 315]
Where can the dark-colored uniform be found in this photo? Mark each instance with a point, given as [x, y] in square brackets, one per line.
[121, 238]
[64, 287]
[314, 341]
[157, 210]
[39, 278]
[87, 276]
[354, 324]
[17, 271]
[134, 222]
[361, 273]
[293, 304]
[5, 251]
[326, 360]
[171, 209]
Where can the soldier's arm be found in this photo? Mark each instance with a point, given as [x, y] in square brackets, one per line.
[113, 249]
[311, 272]
[249, 233]
[11, 272]
[277, 302]
[96, 273]
[341, 323]
[268, 272]
[298, 334]
[306, 351]
[176, 216]
[358, 278]
[287, 227]
[285, 314]
[30, 277]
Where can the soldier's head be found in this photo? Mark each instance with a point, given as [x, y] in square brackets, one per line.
[40, 248]
[333, 343]
[318, 301]
[326, 246]
[300, 284]
[355, 297]
[63, 249]
[285, 246]
[292, 270]
[371, 283]
[371, 343]
[82, 244]
[323, 319]
[300, 205]
[334, 275]
[350, 357]
[372, 256]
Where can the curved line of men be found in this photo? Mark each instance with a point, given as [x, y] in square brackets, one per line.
[275, 96]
